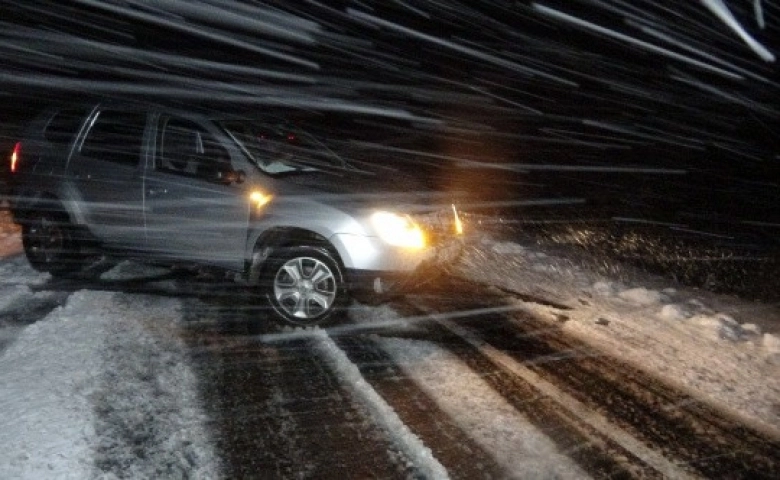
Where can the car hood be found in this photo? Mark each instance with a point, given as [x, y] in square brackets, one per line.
[367, 190]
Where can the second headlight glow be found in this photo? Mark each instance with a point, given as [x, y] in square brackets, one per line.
[259, 198]
[398, 230]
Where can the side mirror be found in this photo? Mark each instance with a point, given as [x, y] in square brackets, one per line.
[229, 176]
[218, 172]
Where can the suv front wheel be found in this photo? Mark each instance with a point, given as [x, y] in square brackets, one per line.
[304, 285]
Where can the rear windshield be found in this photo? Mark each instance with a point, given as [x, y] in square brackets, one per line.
[282, 147]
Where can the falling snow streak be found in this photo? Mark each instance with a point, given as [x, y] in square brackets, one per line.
[559, 15]
[487, 57]
[557, 92]
[630, 132]
[726, 96]
[723, 13]
[204, 32]
[59, 46]
[688, 45]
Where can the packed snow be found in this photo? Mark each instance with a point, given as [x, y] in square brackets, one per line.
[518, 446]
[410, 444]
[102, 373]
[98, 388]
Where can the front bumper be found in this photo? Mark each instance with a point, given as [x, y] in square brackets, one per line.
[375, 269]
[364, 252]
[368, 285]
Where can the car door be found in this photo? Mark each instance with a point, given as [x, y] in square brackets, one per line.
[190, 212]
[106, 169]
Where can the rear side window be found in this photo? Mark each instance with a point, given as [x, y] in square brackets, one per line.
[62, 127]
[116, 136]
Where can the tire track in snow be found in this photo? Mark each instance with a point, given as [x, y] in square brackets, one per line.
[502, 443]
[619, 403]
[590, 417]
[278, 410]
[413, 448]
[468, 425]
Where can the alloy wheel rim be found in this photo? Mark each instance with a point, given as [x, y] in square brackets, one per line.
[305, 288]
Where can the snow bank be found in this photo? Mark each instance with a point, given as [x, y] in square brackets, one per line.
[722, 350]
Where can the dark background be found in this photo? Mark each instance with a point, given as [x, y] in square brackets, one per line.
[617, 115]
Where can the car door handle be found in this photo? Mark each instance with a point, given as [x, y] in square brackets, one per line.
[155, 191]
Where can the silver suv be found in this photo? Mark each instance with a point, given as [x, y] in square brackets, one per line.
[261, 198]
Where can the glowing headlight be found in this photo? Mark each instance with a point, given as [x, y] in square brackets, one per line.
[398, 230]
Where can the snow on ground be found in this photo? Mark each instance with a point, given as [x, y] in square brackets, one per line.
[515, 443]
[382, 412]
[18, 302]
[99, 388]
[720, 349]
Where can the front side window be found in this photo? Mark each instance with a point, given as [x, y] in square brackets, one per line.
[116, 136]
[186, 148]
[281, 147]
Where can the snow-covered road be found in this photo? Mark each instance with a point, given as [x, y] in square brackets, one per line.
[100, 382]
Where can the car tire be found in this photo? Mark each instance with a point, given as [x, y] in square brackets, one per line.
[50, 243]
[304, 285]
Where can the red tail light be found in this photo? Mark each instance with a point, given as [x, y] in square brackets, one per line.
[17, 152]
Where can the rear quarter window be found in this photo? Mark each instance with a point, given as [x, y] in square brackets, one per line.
[62, 127]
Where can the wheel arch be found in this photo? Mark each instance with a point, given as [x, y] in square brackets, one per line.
[31, 201]
[286, 237]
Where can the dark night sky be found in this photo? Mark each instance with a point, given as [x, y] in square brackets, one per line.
[620, 84]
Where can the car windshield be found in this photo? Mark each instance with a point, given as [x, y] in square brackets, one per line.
[282, 147]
